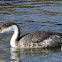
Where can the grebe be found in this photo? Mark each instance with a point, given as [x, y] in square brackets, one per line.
[37, 39]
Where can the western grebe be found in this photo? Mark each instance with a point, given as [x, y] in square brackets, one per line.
[37, 39]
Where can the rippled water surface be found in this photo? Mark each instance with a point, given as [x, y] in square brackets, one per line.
[30, 15]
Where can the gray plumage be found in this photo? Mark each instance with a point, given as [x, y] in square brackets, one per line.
[41, 39]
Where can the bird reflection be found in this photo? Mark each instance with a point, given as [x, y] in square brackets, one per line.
[15, 55]
[18, 54]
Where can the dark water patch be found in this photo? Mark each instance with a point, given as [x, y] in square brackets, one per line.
[59, 24]
[50, 22]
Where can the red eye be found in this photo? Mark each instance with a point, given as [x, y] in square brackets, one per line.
[1, 29]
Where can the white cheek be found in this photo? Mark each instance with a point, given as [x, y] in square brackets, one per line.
[7, 29]
[3, 31]
[11, 28]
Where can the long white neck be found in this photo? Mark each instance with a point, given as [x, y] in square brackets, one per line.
[13, 41]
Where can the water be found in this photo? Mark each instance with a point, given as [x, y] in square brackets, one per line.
[30, 15]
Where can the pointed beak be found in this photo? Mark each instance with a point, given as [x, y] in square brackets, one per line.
[1, 29]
